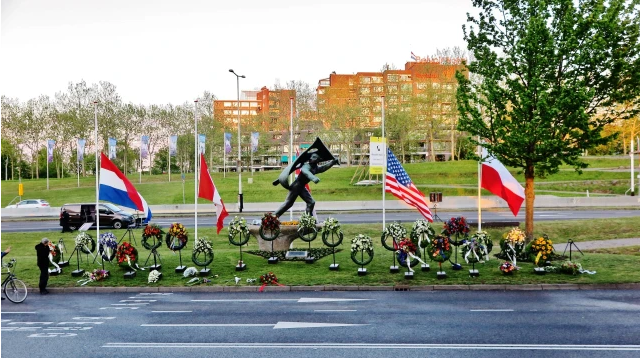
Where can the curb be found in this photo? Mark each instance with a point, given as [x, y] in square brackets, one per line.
[527, 287]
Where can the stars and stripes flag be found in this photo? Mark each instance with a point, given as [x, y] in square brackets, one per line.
[400, 185]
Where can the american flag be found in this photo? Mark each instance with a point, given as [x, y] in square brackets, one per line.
[399, 184]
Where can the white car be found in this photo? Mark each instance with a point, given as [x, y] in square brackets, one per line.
[31, 203]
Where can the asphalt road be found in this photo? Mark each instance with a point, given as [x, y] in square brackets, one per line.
[598, 323]
[366, 217]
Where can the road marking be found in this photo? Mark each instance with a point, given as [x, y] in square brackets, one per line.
[171, 311]
[250, 300]
[80, 323]
[492, 310]
[129, 304]
[83, 318]
[31, 323]
[19, 312]
[313, 300]
[119, 308]
[285, 325]
[279, 325]
[334, 310]
[138, 300]
[153, 294]
[206, 325]
[299, 300]
[471, 346]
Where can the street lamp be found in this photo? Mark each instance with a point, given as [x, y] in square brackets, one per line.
[239, 164]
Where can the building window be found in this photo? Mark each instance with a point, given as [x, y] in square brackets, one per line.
[406, 87]
[365, 90]
[392, 89]
[376, 79]
[321, 91]
[378, 89]
[365, 79]
[405, 78]
[392, 78]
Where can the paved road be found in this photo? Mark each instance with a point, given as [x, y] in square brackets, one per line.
[368, 217]
[598, 323]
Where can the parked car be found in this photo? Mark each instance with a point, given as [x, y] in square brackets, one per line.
[110, 215]
[30, 203]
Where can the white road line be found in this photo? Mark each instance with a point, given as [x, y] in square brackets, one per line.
[300, 300]
[19, 312]
[138, 300]
[250, 300]
[206, 325]
[314, 300]
[31, 323]
[120, 308]
[84, 318]
[171, 311]
[492, 310]
[473, 346]
[128, 304]
[334, 310]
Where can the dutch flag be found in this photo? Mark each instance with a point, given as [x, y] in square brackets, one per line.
[116, 188]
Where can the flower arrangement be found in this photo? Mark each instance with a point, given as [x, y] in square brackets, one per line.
[268, 279]
[153, 232]
[422, 231]
[512, 245]
[238, 227]
[396, 232]
[484, 238]
[107, 246]
[202, 247]
[474, 250]
[190, 271]
[127, 255]
[457, 225]
[507, 267]
[85, 242]
[270, 222]
[54, 256]
[307, 221]
[408, 254]
[307, 230]
[154, 276]
[330, 228]
[360, 245]
[439, 249]
[515, 236]
[540, 248]
[177, 237]
[95, 275]
[571, 268]
[407, 246]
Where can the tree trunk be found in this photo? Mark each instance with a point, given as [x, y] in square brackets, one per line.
[529, 198]
[37, 168]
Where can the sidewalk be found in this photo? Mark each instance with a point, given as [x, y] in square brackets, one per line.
[600, 244]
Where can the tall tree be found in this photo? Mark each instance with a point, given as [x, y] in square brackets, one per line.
[552, 72]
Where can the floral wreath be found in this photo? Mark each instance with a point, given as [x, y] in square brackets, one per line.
[95, 275]
[422, 231]
[307, 230]
[85, 243]
[154, 232]
[361, 244]
[269, 223]
[439, 249]
[540, 248]
[408, 253]
[474, 250]
[177, 237]
[107, 246]
[202, 246]
[331, 227]
[54, 255]
[238, 226]
[268, 279]
[512, 245]
[455, 227]
[485, 238]
[397, 232]
[127, 256]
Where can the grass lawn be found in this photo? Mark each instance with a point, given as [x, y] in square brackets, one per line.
[457, 178]
[612, 266]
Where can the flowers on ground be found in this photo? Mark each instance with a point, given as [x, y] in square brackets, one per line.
[154, 276]
[268, 279]
[190, 271]
[507, 267]
[95, 275]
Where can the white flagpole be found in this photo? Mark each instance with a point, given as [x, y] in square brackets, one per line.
[48, 164]
[291, 148]
[169, 152]
[479, 186]
[78, 163]
[140, 176]
[197, 144]
[95, 123]
[224, 154]
[384, 168]
[631, 154]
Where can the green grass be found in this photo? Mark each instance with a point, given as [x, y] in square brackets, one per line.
[612, 266]
[451, 178]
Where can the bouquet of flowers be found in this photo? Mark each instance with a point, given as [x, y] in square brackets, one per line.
[571, 268]
[238, 225]
[439, 249]
[85, 242]
[270, 222]
[361, 243]
[512, 245]
[154, 276]
[422, 231]
[107, 245]
[177, 237]
[54, 255]
[456, 227]
[307, 221]
[396, 231]
[540, 248]
[507, 267]
[190, 271]
[331, 225]
[127, 255]
[95, 275]
[268, 279]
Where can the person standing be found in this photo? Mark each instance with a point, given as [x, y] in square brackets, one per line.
[64, 221]
[42, 253]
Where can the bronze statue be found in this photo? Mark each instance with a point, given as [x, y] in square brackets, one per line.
[307, 162]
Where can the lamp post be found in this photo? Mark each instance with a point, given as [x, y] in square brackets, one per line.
[239, 165]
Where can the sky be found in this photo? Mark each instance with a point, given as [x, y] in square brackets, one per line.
[161, 52]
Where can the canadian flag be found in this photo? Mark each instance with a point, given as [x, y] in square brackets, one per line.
[497, 179]
[207, 190]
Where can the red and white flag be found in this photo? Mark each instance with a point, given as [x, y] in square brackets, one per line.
[497, 179]
[399, 184]
[207, 190]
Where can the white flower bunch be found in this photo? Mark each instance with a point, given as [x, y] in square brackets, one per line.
[83, 239]
[307, 221]
[395, 230]
[154, 276]
[331, 225]
[361, 243]
[190, 271]
[422, 227]
[238, 225]
[202, 245]
[481, 236]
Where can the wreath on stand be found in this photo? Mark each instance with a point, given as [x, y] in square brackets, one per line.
[408, 253]
[439, 249]
[85, 243]
[54, 256]
[127, 256]
[360, 245]
[540, 249]
[177, 237]
[238, 226]
[474, 250]
[107, 246]
[455, 227]
[512, 245]
[307, 230]
[396, 232]
[153, 232]
[331, 228]
[269, 223]
[421, 232]
[202, 254]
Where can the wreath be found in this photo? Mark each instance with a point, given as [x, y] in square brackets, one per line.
[238, 226]
[422, 231]
[177, 237]
[396, 232]
[85, 242]
[154, 232]
[271, 224]
[439, 249]
[331, 228]
[474, 250]
[360, 245]
[408, 252]
[107, 246]
[540, 248]
[127, 255]
[307, 230]
[54, 254]
[485, 238]
[202, 254]
[455, 227]
[512, 245]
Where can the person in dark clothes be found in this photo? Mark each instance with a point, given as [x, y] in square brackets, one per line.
[42, 252]
[64, 221]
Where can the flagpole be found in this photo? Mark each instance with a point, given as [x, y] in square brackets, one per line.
[384, 167]
[78, 162]
[479, 186]
[140, 176]
[169, 152]
[48, 164]
[291, 147]
[95, 123]
[195, 120]
[224, 154]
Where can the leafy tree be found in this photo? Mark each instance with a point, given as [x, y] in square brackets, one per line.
[551, 73]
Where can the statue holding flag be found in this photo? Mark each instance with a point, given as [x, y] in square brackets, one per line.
[307, 162]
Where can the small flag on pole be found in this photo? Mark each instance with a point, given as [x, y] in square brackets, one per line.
[400, 185]
[173, 145]
[80, 152]
[227, 143]
[50, 144]
[144, 146]
[207, 190]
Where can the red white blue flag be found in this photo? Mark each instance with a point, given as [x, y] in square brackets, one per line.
[400, 185]
[116, 188]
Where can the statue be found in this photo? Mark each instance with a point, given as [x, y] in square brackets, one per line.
[307, 162]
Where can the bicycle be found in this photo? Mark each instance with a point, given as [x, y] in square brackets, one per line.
[14, 289]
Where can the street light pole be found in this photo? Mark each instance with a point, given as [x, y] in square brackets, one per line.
[239, 164]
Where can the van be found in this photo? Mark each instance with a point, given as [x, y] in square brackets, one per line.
[110, 215]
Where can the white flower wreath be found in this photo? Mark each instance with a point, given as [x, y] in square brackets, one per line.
[331, 225]
[361, 243]
[422, 231]
[396, 231]
[238, 225]
[307, 221]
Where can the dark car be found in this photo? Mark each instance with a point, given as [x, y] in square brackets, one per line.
[110, 215]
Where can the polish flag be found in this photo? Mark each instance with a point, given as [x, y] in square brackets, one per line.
[207, 190]
[497, 179]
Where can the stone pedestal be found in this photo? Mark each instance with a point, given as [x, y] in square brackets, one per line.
[288, 233]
